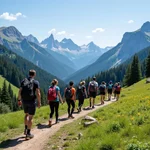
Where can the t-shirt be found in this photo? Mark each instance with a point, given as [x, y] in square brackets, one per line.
[36, 85]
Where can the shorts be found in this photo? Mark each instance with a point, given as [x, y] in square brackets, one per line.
[117, 92]
[102, 93]
[93, 94]
[29, 107]
[109, 91]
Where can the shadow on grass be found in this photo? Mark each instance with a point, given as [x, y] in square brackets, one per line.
[12, 142]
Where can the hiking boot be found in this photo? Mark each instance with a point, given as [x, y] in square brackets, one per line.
[71, 117]
[57, 121]
[93, 106]
[25, 131]
[50, 123]
[29, 136]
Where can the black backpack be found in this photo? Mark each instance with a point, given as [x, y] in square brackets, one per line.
[68, 93]
[80, 91]
[27, 92]
[102, 88]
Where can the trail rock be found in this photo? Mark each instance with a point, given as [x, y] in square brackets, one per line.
[89, 123]
[89, 118]
[148, 80]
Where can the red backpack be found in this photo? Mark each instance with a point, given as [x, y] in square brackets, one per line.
[52, 94]
[118, 88]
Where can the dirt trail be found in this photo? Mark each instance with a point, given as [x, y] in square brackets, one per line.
[42, 132]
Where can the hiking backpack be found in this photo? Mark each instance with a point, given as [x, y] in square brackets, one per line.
[102, 88]
[68, 93]
[118, 88]
[27, 92]
[80, 91]
[92, 87]
[52, 94]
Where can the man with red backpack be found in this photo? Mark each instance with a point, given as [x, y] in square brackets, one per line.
[118, 90]
[54, 97]
[92, 91]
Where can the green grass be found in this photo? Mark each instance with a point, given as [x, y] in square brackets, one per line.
[123, 125]
[15, 89]
[11, 124]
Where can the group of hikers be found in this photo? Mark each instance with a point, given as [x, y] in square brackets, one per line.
[30, 91]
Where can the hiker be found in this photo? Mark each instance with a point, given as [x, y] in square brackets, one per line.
[28, 92]
[54, 97]
[70, 96]
[82, 94]
[109, 90]
[118, 90]
[114, 90]
[102, 89]
[92, 91]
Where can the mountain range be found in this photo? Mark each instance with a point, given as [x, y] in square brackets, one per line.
[69, 61]
[131, 43]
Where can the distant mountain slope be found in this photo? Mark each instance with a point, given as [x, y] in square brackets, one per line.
[79, 55]
[13, 40]
[132, 42]
[32, 39]
[14, 68]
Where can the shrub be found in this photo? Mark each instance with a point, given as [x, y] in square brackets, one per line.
[4, 108]
[134, 144]
[106, 147]
[114, 127]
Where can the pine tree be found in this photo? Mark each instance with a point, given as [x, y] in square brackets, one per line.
[127, 79]
[43, 98]
[148, 67]
[5, 97]
[135, 70]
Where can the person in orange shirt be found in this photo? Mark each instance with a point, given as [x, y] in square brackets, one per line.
[70, 95]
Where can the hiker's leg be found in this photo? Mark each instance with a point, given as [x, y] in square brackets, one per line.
[73, 107]
[26, 121]
[56, 110]
[52, 105]
[90, 100]
[30, 119]
[93, 102]
[68, 103]
[80, 102]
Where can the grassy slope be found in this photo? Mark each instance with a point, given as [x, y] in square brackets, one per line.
[15, 89]
[120, 125]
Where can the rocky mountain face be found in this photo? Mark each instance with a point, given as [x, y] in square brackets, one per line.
[131, 43]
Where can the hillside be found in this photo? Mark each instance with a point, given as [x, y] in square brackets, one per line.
[14, 68]
[11, 38]
[14, 88]
[131, 43]
[123, 125]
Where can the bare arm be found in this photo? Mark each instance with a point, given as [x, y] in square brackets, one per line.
[60, 97]
[19, 94]
[38, 93]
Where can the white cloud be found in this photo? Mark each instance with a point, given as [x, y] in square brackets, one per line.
[71, 35]
[52, 31]
[11, 17]
[61, 33]
[98, 30]
[88, 37]
[130, 21]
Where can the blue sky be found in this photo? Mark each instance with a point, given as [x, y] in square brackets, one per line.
[101, 21]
